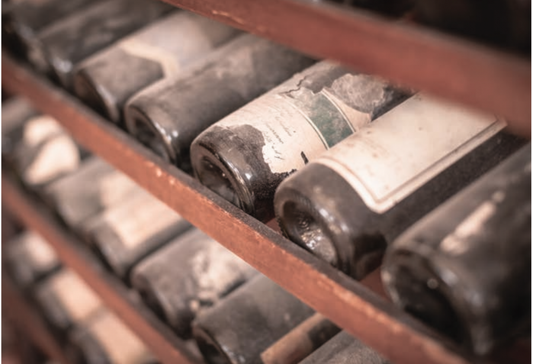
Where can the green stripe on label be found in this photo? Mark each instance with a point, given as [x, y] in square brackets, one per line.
[327, 119]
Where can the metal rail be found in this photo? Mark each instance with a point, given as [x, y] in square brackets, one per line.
[347, 303]
[407, 54]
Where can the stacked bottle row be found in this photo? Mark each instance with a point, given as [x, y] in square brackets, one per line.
[346, 162]
[196, 286]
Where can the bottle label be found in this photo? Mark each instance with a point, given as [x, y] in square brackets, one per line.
[139, 219]
[298, 124]
[41, 255]
[406, 147]
[114, 187]
[75, 296]
[118, 342]
[167, 60]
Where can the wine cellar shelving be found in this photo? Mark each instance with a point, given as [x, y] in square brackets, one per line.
[489, 79]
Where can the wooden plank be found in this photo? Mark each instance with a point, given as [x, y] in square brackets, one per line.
[23, 316]
[346, 302]
[407, 54]
[156, 335]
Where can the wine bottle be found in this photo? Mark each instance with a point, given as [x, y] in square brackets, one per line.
[106, 80]
[60, 46]
[66, 300]
[246, 155]
[301, 341]
[45, 152]
[344, 348]
[27, 17]
[188, 275]
[105, 339]
[232, 76]
[240, 327]
[465, 268]
[348, 204]
[93, 187]
[15, 112]
[505, 23]
[132, 228]
[29, 259]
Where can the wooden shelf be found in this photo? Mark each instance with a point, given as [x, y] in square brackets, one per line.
[23, 316]
[346, 302]
[404, 53]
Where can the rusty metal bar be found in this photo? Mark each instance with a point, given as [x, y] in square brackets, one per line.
[342, 300]
[407, 54]
[156, 335]
[23, 316]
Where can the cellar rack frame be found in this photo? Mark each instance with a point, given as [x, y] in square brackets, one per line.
[347, 303]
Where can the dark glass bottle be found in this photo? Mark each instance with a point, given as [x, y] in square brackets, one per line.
[168, 115]
[190, 274]
[240, 327]
[164, 49]
[131, 229]
[505, 23]
[348, 204]
[301, 341]
[29, 259]
[465, 268]
[246, 155]
[104, 339]
[66, 301]
[93, 187]
[26, 18]
[60, 46]
[344, 348]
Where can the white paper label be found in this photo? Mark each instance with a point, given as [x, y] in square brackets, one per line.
[140, 218]
[39, 128]
[164, 58]
[57, 156]
[402, 150]
[114, 186]
[78, 299]
[119, 342]
[39, 251]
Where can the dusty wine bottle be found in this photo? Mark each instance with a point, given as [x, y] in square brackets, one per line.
[29, 259]
[104, 339]
[188, 275]
[347, 205]
[60, 46]
[146, 56]
[301, 341]
[132, 228]
[344, 348]
[45, 152]
[15, 112]
[93, 187]
[506, 23]
[168, 115]
[27, 17]
[66, 300]
[246, 155]
[249, 320]
[465, 268]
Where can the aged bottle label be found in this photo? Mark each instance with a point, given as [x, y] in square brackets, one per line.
[119, 342]
[139, 48]
[114, 186]
[299, 123]
[40, 253]
[75, 296]
[139, 219]
[402, 150]
[56, 156]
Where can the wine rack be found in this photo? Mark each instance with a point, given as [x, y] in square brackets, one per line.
[456, 69]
